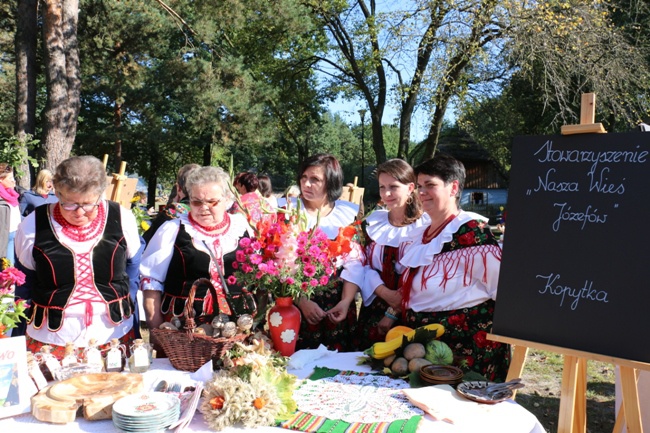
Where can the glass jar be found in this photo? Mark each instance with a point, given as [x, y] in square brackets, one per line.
[50, 366]
[141, 355]
[93, 356]
[70, 356]
[115, 356]
[35, 372]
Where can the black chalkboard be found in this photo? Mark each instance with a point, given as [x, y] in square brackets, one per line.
[575, 271]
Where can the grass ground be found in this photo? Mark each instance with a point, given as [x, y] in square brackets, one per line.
[541, 396]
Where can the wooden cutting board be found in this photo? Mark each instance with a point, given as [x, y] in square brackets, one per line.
[95, 393]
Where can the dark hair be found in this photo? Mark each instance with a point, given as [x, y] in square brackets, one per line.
[248, 180]
[181, 177]
[265, 185]
[5, 169]
[404, 174]
[333, 173]
[447, 168]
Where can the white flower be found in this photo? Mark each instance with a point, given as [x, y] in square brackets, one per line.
[275, 319]
[288, 335]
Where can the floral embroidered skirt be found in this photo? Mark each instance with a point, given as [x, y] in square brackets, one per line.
[340, 336]
[466, 332]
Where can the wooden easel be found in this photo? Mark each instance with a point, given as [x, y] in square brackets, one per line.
[120, 188]
[573, 394]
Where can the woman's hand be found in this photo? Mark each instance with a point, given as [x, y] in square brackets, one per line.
[311, 311]
[392, 297]
[385, 324]
[340, 311]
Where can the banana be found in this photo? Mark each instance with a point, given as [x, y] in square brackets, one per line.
[423, 334]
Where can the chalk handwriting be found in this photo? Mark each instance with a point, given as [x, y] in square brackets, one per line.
[546, 153]
[598, 182]
[589, 215]
[553, 287]
[547, 184]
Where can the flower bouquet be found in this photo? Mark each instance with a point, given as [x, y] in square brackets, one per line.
[11, 311]
[287, 259]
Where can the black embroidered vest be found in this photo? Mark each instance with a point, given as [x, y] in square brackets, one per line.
[55, 274]
[187, 265]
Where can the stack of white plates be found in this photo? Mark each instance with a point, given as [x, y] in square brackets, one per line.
[146, 412]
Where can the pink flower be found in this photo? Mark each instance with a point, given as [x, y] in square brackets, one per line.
[232, 280]
[309, 270]
[244, 242]
[303, 285]
[324, 280]
[314, 251]
[235, 265]
[290, 280]
[240, 256]
[256, 245]
[313, 282]
[246, 268]
[256, 259]
[12, 276]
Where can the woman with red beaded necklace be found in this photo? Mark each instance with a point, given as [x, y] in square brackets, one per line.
[199, 244]
[81, 253]
[452, 269]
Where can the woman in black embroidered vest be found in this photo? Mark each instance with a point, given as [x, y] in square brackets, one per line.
[385, 229]
[81, 252]
[452, 269]
[177, 254]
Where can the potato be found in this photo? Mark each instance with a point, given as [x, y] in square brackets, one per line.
[414, 350]
[388, 361]
[416, 364]
[400, 367]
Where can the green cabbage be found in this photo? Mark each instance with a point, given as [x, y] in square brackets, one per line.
[438, 353]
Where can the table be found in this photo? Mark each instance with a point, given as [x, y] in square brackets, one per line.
[505, 417]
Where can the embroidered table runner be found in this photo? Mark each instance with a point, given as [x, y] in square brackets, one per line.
[336, 401]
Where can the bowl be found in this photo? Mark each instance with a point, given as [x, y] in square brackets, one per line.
[441, 374]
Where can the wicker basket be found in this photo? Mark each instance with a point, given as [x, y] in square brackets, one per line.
[186, 350]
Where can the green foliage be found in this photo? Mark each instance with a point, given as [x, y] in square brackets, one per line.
[15, 152]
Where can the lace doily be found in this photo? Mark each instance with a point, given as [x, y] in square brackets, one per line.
[356, 398]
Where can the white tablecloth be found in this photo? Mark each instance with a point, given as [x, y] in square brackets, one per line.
[505, 417]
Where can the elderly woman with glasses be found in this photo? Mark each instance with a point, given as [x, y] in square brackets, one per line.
[199, 244]
[84, 253]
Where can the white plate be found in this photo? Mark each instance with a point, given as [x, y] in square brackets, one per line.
[147, 404]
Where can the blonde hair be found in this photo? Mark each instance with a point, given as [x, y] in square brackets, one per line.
[41, 180]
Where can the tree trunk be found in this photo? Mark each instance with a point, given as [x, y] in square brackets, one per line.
[26, 39]
[63, 79]
[117, 122]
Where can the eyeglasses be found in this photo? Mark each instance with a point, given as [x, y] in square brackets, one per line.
[208, 203]
[72, 207]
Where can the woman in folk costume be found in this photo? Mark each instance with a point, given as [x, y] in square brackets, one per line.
[329, 317]
[452, 270]
[84, 252]
[198, 244]
[385, 229]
